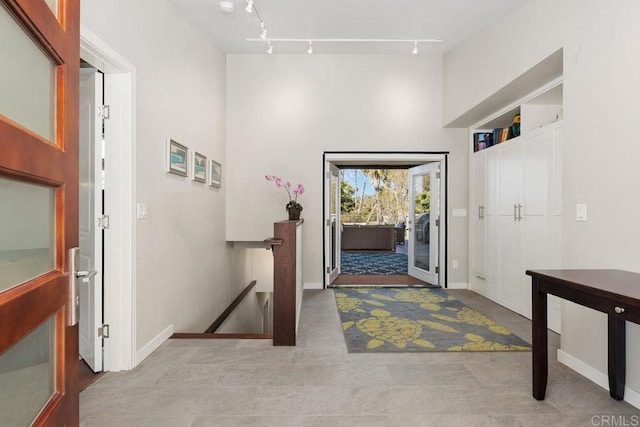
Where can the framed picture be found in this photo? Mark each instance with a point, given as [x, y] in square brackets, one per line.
[215, 174]
[199, 167]
[177, 158]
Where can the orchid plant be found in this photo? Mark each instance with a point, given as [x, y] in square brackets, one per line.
[293, 193]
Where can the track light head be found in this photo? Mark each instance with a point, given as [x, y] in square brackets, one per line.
[415, 47]
[270, 49]
[310, 50]
[249, 7]
[264, 30]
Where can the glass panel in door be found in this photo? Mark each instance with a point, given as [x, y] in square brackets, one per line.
[27, 376]
[27, 80]
[27, 236]
[421, 218]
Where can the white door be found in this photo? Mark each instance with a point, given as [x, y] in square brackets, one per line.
[510, 291]
[90, 201]
[333, 225]
[423, 223]
[478, 214]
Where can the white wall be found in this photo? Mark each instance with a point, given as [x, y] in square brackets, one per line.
[284, 111]
[601, 104]
[183, 264]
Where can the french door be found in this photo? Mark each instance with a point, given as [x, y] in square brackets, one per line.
[39, 67]
[424, 222]
[333, 225]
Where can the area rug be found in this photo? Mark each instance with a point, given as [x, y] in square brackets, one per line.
[373, 263]
[417, 320]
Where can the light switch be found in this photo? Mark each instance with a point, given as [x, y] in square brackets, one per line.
[142, 211]
[581, 212]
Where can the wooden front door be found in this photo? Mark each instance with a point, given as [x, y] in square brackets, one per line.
[39, 68]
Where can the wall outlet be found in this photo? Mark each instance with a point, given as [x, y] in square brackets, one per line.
[454, 263]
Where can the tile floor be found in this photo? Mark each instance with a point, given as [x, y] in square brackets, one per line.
[251, 383]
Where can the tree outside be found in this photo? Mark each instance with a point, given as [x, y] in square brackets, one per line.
[374, 196]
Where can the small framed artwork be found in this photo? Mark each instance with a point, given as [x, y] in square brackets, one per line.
[215, 174]
[199, 167]
[177, 158]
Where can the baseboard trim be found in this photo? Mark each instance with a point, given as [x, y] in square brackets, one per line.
[457, 285]
[152, 345]
[630, 396]
[313, 285]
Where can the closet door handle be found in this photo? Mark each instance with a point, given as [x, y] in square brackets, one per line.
[519, 212]
[481, 212]
[515, 212]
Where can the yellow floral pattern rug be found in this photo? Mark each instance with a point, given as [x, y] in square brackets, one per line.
[417, 319]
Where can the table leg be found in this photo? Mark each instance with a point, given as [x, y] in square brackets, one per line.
[540, 340]
[616, 356]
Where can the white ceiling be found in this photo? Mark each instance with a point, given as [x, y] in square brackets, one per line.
[453, 21]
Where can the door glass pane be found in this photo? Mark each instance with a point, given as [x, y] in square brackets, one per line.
[53, 4]
[27, 376]
[27, 215]
[333, 207]
[27, 80]
[422, 195]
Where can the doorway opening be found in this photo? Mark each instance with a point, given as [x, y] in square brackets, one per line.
[385, 221]
[113, 316]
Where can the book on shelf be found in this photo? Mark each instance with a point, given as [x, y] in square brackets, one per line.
[482, 140]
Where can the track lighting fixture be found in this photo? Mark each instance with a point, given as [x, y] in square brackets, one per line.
[251, 8]
[310, 42]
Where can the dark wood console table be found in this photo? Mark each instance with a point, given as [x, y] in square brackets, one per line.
[614, 292]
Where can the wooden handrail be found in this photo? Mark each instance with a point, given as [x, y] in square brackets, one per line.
[191, 336]
[220, 320]
[272, 241]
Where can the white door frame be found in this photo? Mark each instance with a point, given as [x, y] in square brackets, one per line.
[119, 241]
[356, 158]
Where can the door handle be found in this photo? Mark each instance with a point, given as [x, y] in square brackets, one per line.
[515, 212]
[86, 276]
[519, 212]
[73, 312]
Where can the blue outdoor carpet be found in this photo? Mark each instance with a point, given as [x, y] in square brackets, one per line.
[373, 263]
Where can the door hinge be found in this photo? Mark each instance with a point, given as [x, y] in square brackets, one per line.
[104, 111]
[437, 269]
[104, 222]
[438, 222]
[103, 331]
[328, 222]
[438, 175]
[328, 271]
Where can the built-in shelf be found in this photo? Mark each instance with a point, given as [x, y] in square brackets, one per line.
[536, 110]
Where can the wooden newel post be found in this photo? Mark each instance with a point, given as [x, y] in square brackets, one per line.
[286, 281]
